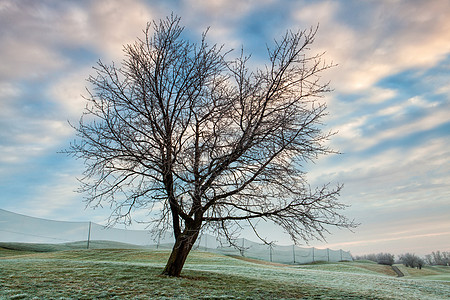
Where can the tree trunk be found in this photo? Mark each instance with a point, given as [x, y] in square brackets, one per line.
[180, 251]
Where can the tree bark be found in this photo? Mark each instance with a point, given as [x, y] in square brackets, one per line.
[180, 251]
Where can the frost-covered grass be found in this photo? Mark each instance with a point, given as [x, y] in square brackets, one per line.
[427, 273]
[352, 267]
[135, 274]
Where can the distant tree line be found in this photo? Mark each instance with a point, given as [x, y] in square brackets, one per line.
[409, 259]
[438, 258]
[381, 258]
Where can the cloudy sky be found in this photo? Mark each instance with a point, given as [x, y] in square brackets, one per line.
[390, 104]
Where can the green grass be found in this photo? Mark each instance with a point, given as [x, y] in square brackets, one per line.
[135, 274]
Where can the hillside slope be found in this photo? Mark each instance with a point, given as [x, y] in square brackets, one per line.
[134, 273]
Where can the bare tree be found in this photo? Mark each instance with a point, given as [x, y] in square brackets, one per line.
[438, 258]
[180, 129]
[411, 260]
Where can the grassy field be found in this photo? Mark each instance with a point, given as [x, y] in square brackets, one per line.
[135, 274]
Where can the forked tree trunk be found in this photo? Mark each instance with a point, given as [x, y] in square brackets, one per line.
[180, 251]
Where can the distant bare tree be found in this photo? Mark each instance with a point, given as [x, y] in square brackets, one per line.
[385, 259]
[438, 258]
[412, 261]
[179, 129]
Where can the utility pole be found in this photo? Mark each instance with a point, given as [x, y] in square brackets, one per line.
[89, 235]
[293, 252]
[159, 237]
[313, 253]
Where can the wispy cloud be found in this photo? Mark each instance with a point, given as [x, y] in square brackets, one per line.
[390, 104]
[380, 39]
